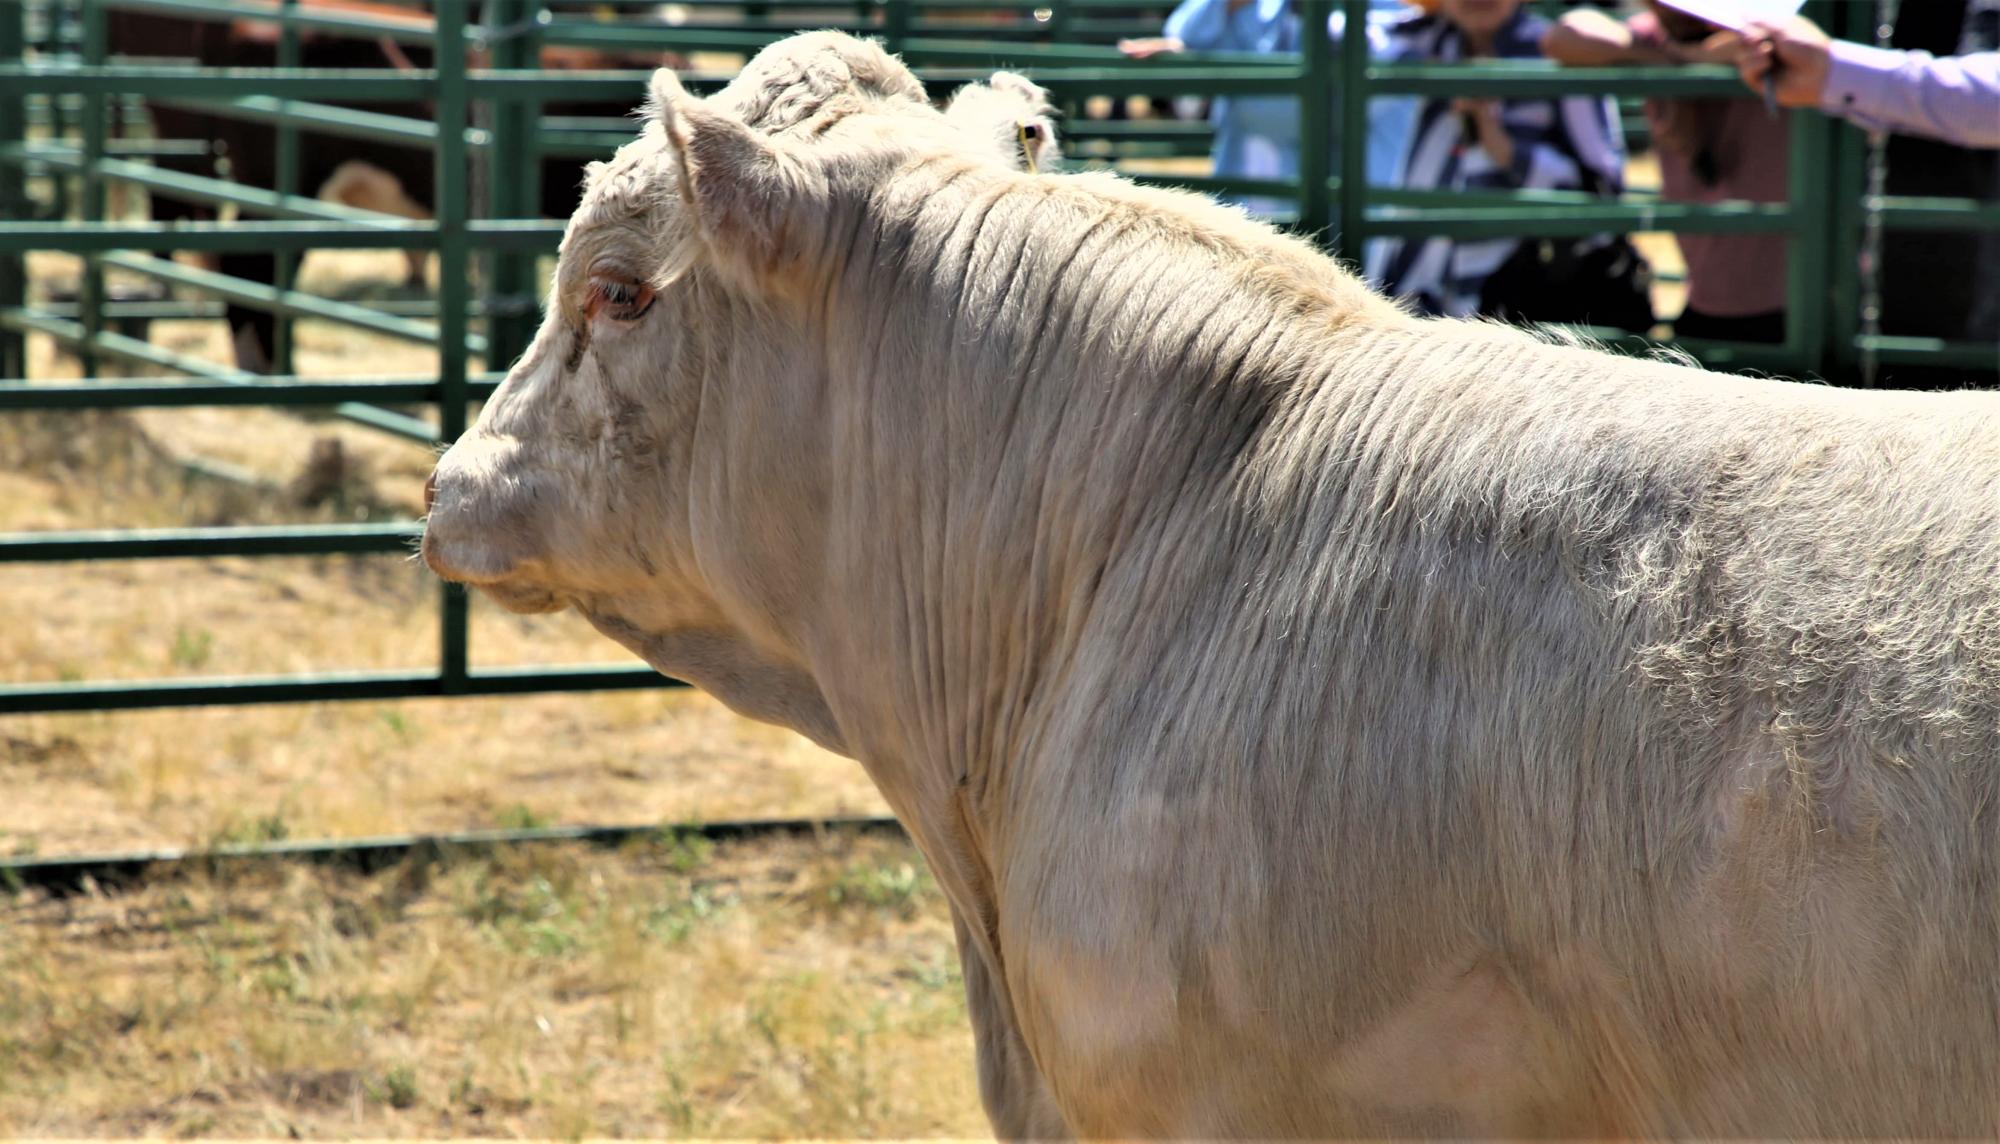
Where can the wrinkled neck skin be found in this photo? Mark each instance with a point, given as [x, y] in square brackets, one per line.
[906, 533]
[864, 585]
[753, 471]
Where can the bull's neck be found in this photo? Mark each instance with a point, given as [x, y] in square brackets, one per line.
[1038, 407]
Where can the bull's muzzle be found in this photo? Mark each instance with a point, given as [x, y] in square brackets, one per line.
[450, 548]
[469, 541]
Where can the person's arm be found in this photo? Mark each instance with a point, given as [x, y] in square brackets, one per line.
[1199, 24]
[1205, 25]
[1956, 99]
[1585, 37]
[1146, 47]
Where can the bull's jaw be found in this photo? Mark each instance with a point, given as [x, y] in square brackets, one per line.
[750, 682]
[523, 599]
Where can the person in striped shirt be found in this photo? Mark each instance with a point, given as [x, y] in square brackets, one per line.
[1568, 143]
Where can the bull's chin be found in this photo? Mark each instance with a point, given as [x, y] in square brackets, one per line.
[476, 566]
[523, 599]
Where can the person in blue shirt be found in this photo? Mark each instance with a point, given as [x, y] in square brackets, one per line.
[1257, 136]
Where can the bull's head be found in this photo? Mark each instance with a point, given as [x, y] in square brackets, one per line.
[656, 458]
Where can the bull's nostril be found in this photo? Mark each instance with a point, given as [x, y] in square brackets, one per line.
[430, 490]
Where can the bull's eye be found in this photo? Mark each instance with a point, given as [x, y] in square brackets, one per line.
[618, 297]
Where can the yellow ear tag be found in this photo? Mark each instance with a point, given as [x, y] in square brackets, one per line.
[1028, 134]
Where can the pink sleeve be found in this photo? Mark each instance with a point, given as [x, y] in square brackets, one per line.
[1956, 99]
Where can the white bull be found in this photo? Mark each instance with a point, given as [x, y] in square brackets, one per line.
[1322, 721]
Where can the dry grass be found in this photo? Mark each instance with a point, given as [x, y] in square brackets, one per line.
[799, 987]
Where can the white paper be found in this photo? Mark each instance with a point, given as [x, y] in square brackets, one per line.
[1737, 15]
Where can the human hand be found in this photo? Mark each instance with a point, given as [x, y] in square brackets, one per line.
[1483, 115]
[1792, 55]
[1484, 110]
[1150, 46]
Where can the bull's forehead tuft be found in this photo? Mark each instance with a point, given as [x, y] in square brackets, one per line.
[634, 183]
[635, 175]
[817, 75]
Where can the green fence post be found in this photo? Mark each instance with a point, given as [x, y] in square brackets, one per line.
[513, 182]
[1316, 75]
[1354, 96]
[1057, 29]
[1807, 289]
[287, 161]
[895, 24]
[56, 42]
[453, 295]
[91, 298]
[1315, 121]
[13, 190]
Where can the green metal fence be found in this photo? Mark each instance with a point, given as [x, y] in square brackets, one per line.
[289, 222]
[56, 100]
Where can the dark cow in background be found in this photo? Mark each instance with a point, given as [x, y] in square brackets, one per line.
[357, 172]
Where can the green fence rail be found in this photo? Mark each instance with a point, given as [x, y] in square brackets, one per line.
[61, 89]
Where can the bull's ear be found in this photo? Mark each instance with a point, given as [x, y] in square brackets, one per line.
[744, 191]
[1013, 116]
